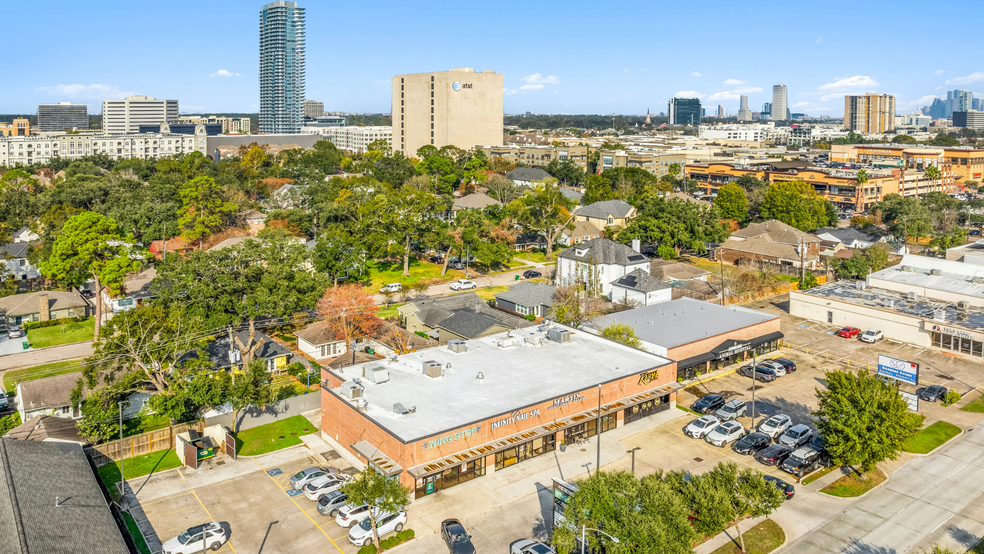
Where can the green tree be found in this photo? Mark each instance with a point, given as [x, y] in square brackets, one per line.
[91, 246]
[863, 420]
[250, 387]
[622, 333]
[340, 254]
[566, 172]
[597, 189]
[394, 169]
[383, 495]
[747, 492]
[9, 422]
[203, 210]
[808, 282]
[675, 225]
[502, 189]
[100, 413]
[444, 173]
[400, 217]
[732, 202]
[797, 204]
[754, 188]
[904, 217]
[546, 211]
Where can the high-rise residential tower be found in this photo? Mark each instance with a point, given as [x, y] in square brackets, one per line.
[959, 101]
[684, 111]
[871, 113]
[721, 113]
[780, 108]
[744, 114]
[281, 67]
[61, 116]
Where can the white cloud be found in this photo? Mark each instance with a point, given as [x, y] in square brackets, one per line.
[746, 90]
[851, 83]
[76, 91]
[733, 82]
[918, 102]
[734, 94]
[972, 78]
[938, 72]
[536, 78]
[804, 105]
[530, 87]
[509, 91]
[819, 40]
[696, 74]
[625, 70]
[688, 94]
[224, 73]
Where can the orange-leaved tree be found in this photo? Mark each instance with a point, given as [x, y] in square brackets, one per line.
[350, 313]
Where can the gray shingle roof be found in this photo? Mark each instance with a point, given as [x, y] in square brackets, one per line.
[30, 303]
[528, 174]
[48, 392]
[32, 474]
[639, 280]
[466, 315]
[529, 294]
[848, 235]
[601, 210]
[572, 194]
[776, 230]
[603, 251]
[218, 350]
[15, 250]
[475, 201]
[39, 428]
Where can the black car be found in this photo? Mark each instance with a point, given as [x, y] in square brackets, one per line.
[773, 455]
[804, 460]
[708, 404]
[752, 443]
[783, 486]
[786, 363]
[530, 274]
[436, 260]
[762, 373]
[975, 232]
[86, 293]
[455, 537]
[933, 393]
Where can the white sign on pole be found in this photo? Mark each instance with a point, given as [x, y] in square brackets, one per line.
[910, 399]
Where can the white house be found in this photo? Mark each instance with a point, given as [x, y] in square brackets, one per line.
[52, 396]
[319, 342]
[641, 288]
[597, 263]
[851, 237]
[527, 176]
[14, 255]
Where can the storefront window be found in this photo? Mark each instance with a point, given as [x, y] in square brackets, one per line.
[579, 432]
[525, 451]
[646, 409]
[450, 477]
[958, 344]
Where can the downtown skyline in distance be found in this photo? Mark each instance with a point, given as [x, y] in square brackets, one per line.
[206, 55]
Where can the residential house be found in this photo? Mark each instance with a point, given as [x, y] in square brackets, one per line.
[462, 316]
[527, 298]
[255, 221]
[42, 306]
[49, 396]
[687, 198]
[176, 245]
[528, 176]
[19, 267]
[597, 263]
[529, 241]
[226, 354]
[287, 197]
[852, 237]
[607, 213]
[137, 289]
[230, 242]
[572, 194]
[476, 201]
[582, 232]
[319, 341]
[47, 429]
[641, 288]
[770, 242]
[24, 234]
[670, 271]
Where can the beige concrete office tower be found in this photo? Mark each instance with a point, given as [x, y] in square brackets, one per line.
[871, 113]
[127, 115]
[458, 107]
[744, 114]
[313, 109]
[780, 108]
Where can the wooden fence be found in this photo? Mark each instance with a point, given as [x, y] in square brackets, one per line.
[161, 439]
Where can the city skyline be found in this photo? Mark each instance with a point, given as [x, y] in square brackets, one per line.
[350, 66]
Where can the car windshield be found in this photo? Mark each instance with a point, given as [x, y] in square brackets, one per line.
[365, 524]
[793, 434]
[301, 474]
[705, 422]
[775, 422]
[187, 536]
[462, 538]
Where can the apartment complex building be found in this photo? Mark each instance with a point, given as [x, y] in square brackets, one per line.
[655, 162]
[313, 109]
[282, 70]
[28, 150]
[458, 107]
[963, 163]
[753, 133]
[17, 128]
[63, 116]
[355, 139]
[127, 115]
[229, 124]
[871, 113]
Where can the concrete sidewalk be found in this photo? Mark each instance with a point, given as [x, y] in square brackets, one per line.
[46, 355]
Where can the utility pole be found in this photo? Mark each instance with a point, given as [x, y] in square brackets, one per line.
[122, 480]
[802, 260]
[724, 299]
[598, 431]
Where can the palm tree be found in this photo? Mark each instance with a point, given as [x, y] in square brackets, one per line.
[862, 178]
[933, 172]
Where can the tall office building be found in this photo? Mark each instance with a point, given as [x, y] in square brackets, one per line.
[959, 101]
[62, 116]
[744, 114]
[766, 110]
[313, 109]
[457, 107]
[971, 119]
[871, 113]
[127, 115]
[721, 113]
[978, 104]
[780, 108]
[684, 111]
[281, 67]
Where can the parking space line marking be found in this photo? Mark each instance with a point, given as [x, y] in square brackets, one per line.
[305, 513]
[164, 499]
[181, 510]
[210, 516]
[944, 521]
[182, 475]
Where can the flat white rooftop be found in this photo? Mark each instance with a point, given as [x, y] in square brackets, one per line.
[514, 377]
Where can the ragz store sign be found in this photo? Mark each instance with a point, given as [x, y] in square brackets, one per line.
[513, 418]
[648, 377]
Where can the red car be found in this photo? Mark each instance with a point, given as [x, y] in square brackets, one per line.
[848, 332]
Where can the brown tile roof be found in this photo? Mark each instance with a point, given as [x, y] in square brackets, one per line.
[778, 231]
[318, 333]
[30, 303]
[764, 245]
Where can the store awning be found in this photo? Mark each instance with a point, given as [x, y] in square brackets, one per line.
[380, 461]
[694, 360]
[731, 347]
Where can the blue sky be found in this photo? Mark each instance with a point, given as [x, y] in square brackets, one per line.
[556, 57]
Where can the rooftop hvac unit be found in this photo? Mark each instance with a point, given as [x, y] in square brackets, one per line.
[939, 315]
[911, 295]
[557, 334]
[400, 409]
[890, 303]
[432, 368]
[457, 346]
[534, 339]
[907, 268]
[351, 390]
[860, 285]
[375, 373]
[936, 272]
[978, 280]
[963, 305]
[506, 342]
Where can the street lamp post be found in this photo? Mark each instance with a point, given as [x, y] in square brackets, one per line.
[633, 451]
[598, 431]
[754, 371]
[583, 529]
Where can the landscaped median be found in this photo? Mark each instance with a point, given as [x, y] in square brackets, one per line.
[931, 438]
[391, 542]
[976, 405]
[764, 537]
[273, 436]
[851, 485]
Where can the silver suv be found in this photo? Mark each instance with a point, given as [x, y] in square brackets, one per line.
[796, 436]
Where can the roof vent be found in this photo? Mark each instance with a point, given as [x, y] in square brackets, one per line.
[401, 410]
[939, 315]
[351, 390]
[432, 368]
[890, 303]
[936, 272]
[480, 378]
[860, 285]
[911, 295]
[457, 346]
[907, 268]
[361, 404]
[557, 334]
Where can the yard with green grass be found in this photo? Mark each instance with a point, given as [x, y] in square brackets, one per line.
[931, 437]
[538, 256]
[286, 386]
[388, 312]
[14, 376]
[75, 331]
[818, 474]
[851, 485]
[137, 466]
[144, 423]
[273, 436]
[764, 537]
[386, 272]
[976, 405]
[138, 539]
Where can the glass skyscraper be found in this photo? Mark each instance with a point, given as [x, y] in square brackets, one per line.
[281, 67]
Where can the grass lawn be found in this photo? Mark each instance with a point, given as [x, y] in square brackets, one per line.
[976, 406]
[137, 466]
[273, 436]
[386, 272]
[285, 386]
[11, 378]
[850, 485]
[931, 437]
[703, 263]
[392, 311]
[138, 539]
[62, 334]
[764, 537]
[144, 424]
[813, 477]
[489, 293]
[688, 410]
[540, 257]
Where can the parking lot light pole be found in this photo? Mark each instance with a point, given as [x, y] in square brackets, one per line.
[633, 451]
[583, 529]
[754, 371]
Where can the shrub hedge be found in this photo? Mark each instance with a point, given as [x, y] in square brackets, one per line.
[385, 544]
[52, 322]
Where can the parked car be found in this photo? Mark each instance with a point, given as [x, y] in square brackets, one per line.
[933, 393]
[349, 515]
[975, 232]
[752, 443]
[463, 284]
[775, 366]
[455, 537]
[699, 427]
[329, 504]
[323, 485]
[526, 546]
[305, 476]
[196, 539]
[86, 293]
[530, 274]
[15, 332]
[776, 425]
[783, 486]
[708, 404]
[773, 455]
[848, 332]
[871, 335]
[787, 363]
[361, 534]
[392, 287]
[797, 435]
[3, 400]
[729, 431]
[456, 265]
[436, 259]
[760, 373]
[732, 410]
[803, 460]
[818, 442]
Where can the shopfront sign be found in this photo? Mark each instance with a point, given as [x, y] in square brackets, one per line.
[648, 377]
[513, 418]
[897, 369]
[910, 399]
[951, 331]
[566, 400]
[736, 348]
[448, 439]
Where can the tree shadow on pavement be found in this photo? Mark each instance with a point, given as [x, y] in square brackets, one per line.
[797, 411]
[966, 539]
[861, 547]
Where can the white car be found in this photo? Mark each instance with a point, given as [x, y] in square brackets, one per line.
[361, 534]
[463, 284]
[871, 335]
[774, 366]
[700, 427]
[776, 425]
[526, 546]
[729, 431]
[392, 287]
[196, 539]
[323, 485]
[350, 515]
